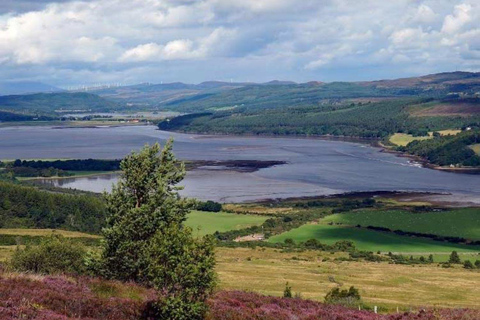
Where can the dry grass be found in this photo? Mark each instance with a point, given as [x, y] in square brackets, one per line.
[267, 271]
[256, 209]
[402, 139]
[46, 232]
[476, 148]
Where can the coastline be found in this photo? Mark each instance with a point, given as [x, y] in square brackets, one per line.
[374, 142]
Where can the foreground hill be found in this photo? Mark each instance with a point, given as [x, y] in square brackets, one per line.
[61, 298]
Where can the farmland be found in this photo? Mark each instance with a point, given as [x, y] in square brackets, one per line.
[267, 270]
[209, 222]
[369, 240]
[458, 223]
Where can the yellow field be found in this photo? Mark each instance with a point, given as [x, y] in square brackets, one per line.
[381, 284]
[387, 285]
[476, 148]
[46, 232]
[402, 139]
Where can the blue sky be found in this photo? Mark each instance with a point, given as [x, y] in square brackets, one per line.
[67, 43]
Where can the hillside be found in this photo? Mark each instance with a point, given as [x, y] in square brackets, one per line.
[50, 103]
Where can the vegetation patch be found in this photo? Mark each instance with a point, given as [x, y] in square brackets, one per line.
[204, 223]
[462, 223]
[368, 240]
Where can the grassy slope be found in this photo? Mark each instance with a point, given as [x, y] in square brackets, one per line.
[402, 139]
[209, 222]
[46, 232]
[369, 240]
[458, 223]
[476, 148]
[266, 271]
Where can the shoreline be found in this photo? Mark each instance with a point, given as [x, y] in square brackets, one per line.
[374, 142]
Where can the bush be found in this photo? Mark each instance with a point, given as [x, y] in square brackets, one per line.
[454, 258]
[347, 298]
[210, 206]
[54, 255]
[468, 265]
[287, 293]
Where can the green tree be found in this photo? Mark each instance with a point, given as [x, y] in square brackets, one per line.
[467, 264]
[454, 258]
[181, 270]
[146, 241]
[144, 201]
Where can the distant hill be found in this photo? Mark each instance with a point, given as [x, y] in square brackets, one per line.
[24, 87]
[50, 103]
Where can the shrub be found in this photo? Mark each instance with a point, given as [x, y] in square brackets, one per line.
[468, 265]
[287, 293]
[55, 254]
[454, 258]
[210, 206]
[347, 298]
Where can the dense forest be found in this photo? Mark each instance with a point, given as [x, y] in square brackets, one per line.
[70, 165]
[28, 207]
[361, 119]
[447, 150]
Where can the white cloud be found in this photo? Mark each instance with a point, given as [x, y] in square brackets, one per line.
[199, 40]
[461, 16]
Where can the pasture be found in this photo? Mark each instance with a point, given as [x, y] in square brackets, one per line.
[402, 139]
[369, 240]
[314, 273]
[463, 223]
[204, 223]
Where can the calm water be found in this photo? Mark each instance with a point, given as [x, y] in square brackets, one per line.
[315, 167]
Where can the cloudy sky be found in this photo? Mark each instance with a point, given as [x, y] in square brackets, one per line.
[68, 43]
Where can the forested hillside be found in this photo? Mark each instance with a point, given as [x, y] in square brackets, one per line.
[28, 207]
[361, 119]
[49, 103]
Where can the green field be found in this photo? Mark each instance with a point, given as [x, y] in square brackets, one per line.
[463, 223]
[369, 240]
[209, 222]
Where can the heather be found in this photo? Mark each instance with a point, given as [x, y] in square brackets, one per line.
[24, 296]
[46, 298]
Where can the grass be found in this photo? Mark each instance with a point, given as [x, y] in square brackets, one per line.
[402, 139]
[382, 284]
[209, 222]
[46, 232]
[464, 223]
[476, 148]
[370, 240]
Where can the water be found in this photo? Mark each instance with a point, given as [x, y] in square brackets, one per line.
[315, 167]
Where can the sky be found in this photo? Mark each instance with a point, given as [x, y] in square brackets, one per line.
[70, 43]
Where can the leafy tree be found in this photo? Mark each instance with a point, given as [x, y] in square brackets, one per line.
[181, 269]
[454, 258]
[467, 264]
[430, 258]
[144, 201]
[146, 241]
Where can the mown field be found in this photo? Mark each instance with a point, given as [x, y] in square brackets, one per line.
[402, 139]
[208, 222]
[369, 240]
[388, 285]
[464, 223]
[476, 148]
